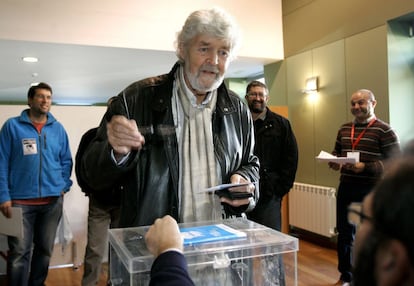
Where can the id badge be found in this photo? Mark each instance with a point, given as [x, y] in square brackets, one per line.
[353, 155]
[29, 146]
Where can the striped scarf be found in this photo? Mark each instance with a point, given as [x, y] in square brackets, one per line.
[198, 166]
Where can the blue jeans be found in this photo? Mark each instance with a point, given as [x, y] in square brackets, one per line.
[27, 266]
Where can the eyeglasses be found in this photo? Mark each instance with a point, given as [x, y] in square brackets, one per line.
[254, 94]
[355, 214]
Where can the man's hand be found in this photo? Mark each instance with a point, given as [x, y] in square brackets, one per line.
[237, 179]
[359, 167]
[356, 168]
[334, 166]
[6, 209]
[162, 235]
[123, 135]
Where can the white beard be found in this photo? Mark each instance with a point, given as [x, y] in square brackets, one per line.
[195, 84]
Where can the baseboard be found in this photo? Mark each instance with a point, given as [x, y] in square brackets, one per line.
[313, 237]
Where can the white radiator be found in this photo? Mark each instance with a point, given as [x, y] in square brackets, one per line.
[313, 208]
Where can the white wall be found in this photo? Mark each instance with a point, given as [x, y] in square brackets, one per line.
[136, 24]
[76, 120]
[401, 79]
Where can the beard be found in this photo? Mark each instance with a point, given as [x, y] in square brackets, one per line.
[257, 107]
[360, 112]
[196, 83]
[39, 110]
[363, 113]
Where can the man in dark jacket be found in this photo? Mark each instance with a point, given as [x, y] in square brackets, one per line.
[172, 136]
[278, 153]
[103, 213]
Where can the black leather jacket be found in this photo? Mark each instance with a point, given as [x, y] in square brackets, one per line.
[150, 175]
[277, 150]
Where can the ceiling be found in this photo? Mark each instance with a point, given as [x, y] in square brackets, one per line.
[84, 75]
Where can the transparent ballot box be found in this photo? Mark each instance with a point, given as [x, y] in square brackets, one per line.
[242, 252]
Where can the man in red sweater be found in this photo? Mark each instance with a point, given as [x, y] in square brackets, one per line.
[371, 141]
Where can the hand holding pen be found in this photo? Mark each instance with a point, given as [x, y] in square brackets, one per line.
[123, 134]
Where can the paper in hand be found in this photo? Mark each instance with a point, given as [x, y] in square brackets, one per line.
[327, 157]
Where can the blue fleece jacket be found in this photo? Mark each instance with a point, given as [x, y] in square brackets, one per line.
[32, 164]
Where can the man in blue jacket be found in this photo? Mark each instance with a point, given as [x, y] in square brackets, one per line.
[35, 169]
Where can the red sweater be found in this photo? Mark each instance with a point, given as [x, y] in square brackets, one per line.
[378, 143]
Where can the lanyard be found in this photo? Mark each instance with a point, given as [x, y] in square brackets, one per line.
[355, 143]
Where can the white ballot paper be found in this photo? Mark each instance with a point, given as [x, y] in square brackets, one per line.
[12, 226]
[327, 157]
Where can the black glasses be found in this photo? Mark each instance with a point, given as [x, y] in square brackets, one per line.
[355, 214]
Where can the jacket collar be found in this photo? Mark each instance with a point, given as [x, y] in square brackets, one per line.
[224, 103]
[24, 117]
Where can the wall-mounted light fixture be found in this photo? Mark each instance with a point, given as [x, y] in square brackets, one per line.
[311, 89]
[312, 85]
